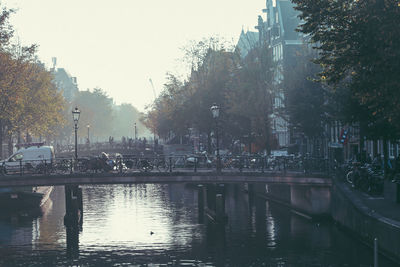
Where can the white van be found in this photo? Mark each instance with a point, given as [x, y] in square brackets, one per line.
[29, 158]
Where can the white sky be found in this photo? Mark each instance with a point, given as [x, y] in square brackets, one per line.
[118, 45]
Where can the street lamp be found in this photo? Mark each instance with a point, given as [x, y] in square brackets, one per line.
[88, 133]
[75, 116]
[135, 131]
[215, 113]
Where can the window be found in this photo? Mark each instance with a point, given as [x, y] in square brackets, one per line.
[16, 157]
[277, 52]
[391, 150]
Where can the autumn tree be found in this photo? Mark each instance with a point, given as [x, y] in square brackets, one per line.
[212, 63]
[186, 104]
[125, 117]
[250, 96]
[218, 75]
[210, 84]
[34, 105]
[43, 103]
[7, 97]
[29, 101]
[96, 110]
[305, 98]
[162, 117]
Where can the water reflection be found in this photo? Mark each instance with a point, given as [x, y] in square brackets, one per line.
[72, 240]
[162, 224]
[129, 214]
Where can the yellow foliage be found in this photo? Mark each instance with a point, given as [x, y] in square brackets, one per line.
[28, 99]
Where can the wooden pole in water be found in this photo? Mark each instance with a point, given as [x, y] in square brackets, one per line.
[376, 252]
[219, 208]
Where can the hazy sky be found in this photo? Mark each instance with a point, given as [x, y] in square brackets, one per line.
[118, 45]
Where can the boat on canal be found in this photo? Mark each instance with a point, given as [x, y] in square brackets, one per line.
[30, 157]
[23, 198]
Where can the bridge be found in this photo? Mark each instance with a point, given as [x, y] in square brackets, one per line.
[301, 184]
[164, 177]
[306, 193]
[159, 169]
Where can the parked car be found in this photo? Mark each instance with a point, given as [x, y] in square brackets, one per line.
[33, 158]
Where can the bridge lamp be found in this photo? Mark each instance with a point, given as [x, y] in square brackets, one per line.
[75, 116]
[215, 113]
[135, 132]
[88, 133]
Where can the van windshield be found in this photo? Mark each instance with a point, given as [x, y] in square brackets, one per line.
[18, 156]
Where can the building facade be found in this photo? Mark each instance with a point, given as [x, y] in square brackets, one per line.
[64, 82]
[276, 30]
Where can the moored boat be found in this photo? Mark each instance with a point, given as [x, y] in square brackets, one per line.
[23, 198]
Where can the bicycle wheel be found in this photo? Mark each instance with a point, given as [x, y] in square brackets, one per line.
[350, 177]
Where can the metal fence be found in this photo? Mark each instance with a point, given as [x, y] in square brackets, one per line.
[161, 163]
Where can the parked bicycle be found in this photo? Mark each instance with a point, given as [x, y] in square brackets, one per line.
[365, 178]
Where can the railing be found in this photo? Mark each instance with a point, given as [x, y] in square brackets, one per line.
[161, 163]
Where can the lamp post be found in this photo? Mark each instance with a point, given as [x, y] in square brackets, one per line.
[88, 133]
[215, 113]
[75, 116]
[135, 131]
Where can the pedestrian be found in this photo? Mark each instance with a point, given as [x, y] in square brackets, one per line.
[369, 159]
[123, 140]
[397, 164]
[377, 162]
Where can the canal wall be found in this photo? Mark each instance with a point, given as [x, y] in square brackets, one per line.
[367, 224]
[313, 201]
[339, 203]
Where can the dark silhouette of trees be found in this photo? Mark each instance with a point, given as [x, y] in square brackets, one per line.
[359, 51]
[242, 89]
[305, 99]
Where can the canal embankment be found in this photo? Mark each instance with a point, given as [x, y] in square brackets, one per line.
[367, 217]
[313, 201]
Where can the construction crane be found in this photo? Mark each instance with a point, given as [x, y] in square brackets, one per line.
[152, 86]
[154, 130]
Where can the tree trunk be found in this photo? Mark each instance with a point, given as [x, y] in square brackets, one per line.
[18, 137]
[209, 142]
[268, 137]
[250, 139]
[375, 147]
[1, 139]
[363, 151]
[385, 156]
[314, 147]
[10, 145]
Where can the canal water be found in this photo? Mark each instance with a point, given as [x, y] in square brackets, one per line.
[159, 225]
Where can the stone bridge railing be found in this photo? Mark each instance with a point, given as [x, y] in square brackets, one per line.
[165, 177]
[129, 164]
